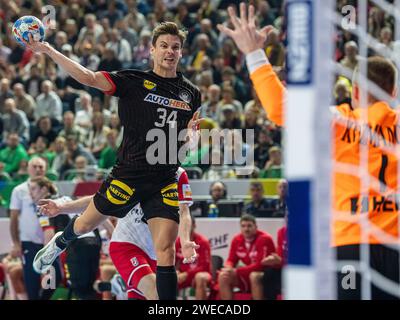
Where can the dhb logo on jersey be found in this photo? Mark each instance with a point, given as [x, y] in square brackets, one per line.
[167, 102]
[134, 261]
[149, 85]
[185, 96]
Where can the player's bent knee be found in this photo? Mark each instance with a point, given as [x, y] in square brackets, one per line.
[147, 285]
[223, 278]
[198, 276]
[255, 277]
[161, 246]
[252, 276]
[168, 251]
[201, 278]
[165, 256]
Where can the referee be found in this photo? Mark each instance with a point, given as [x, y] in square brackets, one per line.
[162, 100]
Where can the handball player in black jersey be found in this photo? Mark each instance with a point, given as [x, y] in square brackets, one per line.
[161, 99]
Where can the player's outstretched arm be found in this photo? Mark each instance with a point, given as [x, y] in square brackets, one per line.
[250, 41]
[53, 208]
[185, 226]
[75, 70]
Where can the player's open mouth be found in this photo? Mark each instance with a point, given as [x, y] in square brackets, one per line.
[169, 59]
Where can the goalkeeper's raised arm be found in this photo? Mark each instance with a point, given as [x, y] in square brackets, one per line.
[250, 41]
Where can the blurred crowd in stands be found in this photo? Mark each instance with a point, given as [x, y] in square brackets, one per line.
[77, 131]
[46, 113]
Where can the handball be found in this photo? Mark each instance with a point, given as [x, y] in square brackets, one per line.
[28, 25]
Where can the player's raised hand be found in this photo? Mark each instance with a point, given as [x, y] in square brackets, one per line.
[36, 46]
[245, 34]
[189, 251]
[193, 129]
[194, 123]
[49, 207]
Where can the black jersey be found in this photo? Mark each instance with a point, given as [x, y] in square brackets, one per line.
[152, 108]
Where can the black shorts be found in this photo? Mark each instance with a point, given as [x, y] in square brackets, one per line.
[157, 195]
[272, 283]
[382, 259]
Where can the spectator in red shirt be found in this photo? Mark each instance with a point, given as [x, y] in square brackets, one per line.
[249, 248]
[267, 285]
[197, 274]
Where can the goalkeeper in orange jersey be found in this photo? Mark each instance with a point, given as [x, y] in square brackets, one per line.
[350, 131]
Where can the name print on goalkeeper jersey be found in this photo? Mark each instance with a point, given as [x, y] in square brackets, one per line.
[147, 103]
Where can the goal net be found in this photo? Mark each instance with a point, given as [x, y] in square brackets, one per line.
[341, 163]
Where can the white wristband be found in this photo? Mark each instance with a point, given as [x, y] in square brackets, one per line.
[256, 59]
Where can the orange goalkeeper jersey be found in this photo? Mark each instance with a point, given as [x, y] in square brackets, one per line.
[379, 134]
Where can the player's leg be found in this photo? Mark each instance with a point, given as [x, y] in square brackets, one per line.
[16, 277]
[164, 233]
[115, 287]
[161, 210]
[83, 264]
[272, 283]
[8, 264]
[32, 280]
[227, 281]
[384, 260]
[256, 285]
[201, 282]
[114, 198]
[88, 221]
[136, 269]
[148, 286]
[107, 271]
[349, 286]
[187, 283]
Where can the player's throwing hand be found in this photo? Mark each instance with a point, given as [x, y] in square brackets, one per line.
[36, 46]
